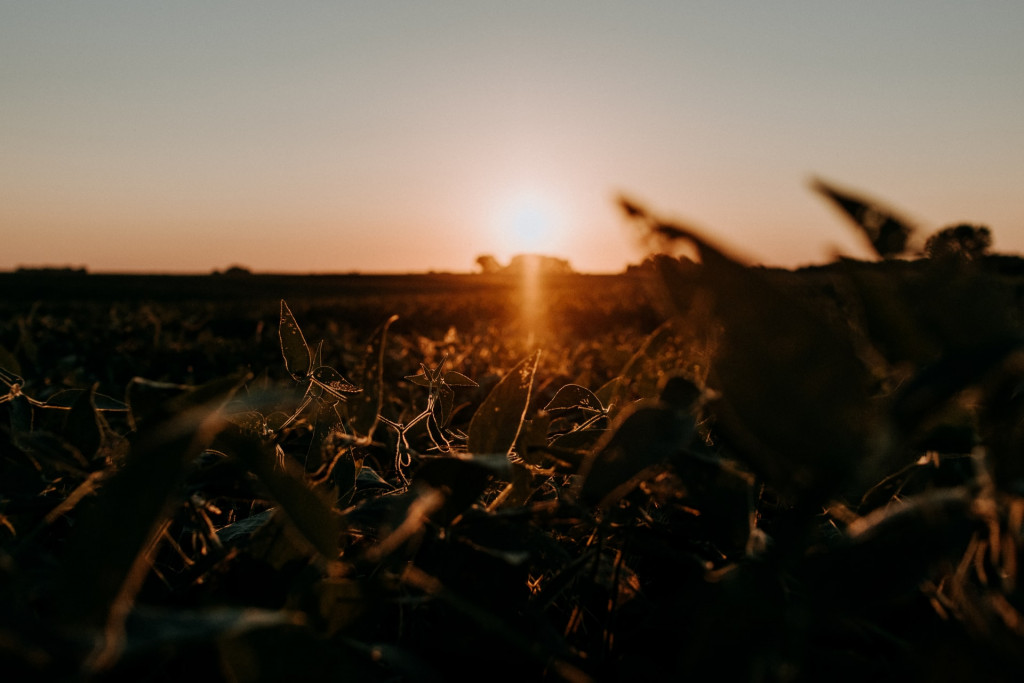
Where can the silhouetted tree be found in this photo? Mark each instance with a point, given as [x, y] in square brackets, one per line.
[488, 264]
[548, 265]
[959, 241]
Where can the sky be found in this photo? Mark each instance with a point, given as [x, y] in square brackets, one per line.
[383, 136]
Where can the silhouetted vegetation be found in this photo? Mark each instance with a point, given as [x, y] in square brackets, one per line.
[711, 471]
[520, 263]
[959, 241]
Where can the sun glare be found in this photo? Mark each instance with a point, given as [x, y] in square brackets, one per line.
[529, 224]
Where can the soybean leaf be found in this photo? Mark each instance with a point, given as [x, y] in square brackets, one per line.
[445, 404]
[579, 440]
[148, 399]
[794, 400]
[518, 490]
[497, 421]
[21, 416]
[611, 393]
[457, 379]
[151, 630]
[67, 398]
[82, 427]
[921, 531]
[364, 411]
[344, 472]
[368, 478]
[9, 367]
[532, 439]
[242, 530]
[573, 396]
[461, 481]
[321, 448]
[332, 381]
[886, 232]
[305, 508]
[646, 436]
[297, 357]
[420, 380]
[107, 555]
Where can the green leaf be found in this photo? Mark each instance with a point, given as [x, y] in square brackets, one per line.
[297, 357]
[497, 421]
[572, 397]
[364, 410]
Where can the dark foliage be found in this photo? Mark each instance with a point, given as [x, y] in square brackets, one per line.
[776, 476]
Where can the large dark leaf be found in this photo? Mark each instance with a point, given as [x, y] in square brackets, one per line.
[82, 426]
[887, 233]
[308, 510]
[9, 367]
[460, 480]
[149, 401]
[497, 421]
[794, 395]
[645, 436]
[107, 555]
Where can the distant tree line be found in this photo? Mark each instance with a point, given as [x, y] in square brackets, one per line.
[50, 270]
[549, 265]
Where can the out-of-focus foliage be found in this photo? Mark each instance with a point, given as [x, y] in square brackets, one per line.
[959, 241]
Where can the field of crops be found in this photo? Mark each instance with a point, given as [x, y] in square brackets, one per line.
[711, 472]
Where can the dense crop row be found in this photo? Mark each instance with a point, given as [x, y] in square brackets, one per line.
[793, 477]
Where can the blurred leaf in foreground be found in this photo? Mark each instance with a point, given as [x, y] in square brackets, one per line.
[108, 554]
[887, 233]
[646, 435]
[794, 401]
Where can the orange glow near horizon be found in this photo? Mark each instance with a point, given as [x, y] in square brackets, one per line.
[372, 137]
[529, 223]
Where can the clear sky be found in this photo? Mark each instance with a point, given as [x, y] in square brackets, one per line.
[145, 135]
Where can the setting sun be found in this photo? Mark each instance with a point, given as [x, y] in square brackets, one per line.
[529, 223]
